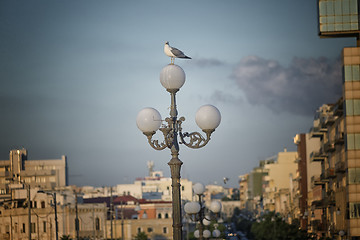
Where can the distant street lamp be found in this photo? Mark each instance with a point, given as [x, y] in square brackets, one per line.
[197, 211]
[172, 77]
[55, 209]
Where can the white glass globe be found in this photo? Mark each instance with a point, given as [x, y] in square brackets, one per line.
[192, 207]
[208, 117]
[148, 120]
[172, 77]
[206, 222]
[216, 233]
[215, 206]
[198, 188]
[206, 233]
[196, 234]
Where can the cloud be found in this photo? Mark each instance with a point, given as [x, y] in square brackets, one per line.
[208, 62]
[300, 88]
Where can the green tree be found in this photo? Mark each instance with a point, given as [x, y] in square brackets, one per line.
[141, 236]
[65, 237]
[271, 226]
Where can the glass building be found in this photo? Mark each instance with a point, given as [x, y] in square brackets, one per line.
[338, 18]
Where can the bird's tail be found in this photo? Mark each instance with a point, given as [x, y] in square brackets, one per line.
[186, 57]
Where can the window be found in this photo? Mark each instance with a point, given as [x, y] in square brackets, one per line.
[353, 141]
[97, 224]
[354, 209]
[165, 230]
[44, 226]
[33, 229]
[42, 204]
[139, 230]
[351, 73]
[149, 229]
[166, 215]
[23, 228]
[159, 215]
[182, 188]
[354, 175]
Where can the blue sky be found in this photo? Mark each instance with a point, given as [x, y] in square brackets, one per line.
[74, 75]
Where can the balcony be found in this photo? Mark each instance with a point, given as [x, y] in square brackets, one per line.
[330, 198]
[329, 147]
[317, 131]
[317, 156]
[329, 120]
[338, 108]
[340, 167]
[316, 180]
[339, 138]
[318, 204]
[330, 173]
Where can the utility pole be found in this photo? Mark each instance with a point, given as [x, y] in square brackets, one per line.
[76, 217]
[29, 211]
[111, 214]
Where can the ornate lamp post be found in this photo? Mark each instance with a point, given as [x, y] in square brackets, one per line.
[197, 211]
[172, 78]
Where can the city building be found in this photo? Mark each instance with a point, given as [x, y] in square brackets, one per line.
[276, 183]
[308, 174]
[43, 174]
[46, 217]
[243, 191]
[340, 142]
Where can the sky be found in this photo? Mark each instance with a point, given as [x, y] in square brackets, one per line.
[75, 74]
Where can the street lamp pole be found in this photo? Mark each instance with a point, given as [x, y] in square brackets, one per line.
[29, 211]
[148, 120]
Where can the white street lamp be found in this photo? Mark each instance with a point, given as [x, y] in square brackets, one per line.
[196, 210]
[148, 120]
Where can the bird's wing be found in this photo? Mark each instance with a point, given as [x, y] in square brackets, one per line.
[177, 52]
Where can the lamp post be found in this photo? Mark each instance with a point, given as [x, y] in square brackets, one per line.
[197, 211]
[55, 209]
[148, 120]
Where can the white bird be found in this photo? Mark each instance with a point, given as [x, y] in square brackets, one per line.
[174, 52]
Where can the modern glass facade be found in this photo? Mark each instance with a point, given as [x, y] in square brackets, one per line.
[338, 17]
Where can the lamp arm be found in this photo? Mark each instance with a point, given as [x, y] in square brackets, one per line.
[155, 143]
[196, 140]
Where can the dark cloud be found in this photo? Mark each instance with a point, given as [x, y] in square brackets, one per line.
[300, 88]
[208, 62]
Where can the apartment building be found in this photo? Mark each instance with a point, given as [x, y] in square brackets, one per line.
[277, 182]
[44, 174]
[341, 141]
[307, 176]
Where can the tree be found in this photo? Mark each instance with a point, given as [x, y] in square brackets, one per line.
[65, 237]
[271, 226]
[141, 236]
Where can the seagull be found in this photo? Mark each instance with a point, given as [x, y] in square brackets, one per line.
[174, 52]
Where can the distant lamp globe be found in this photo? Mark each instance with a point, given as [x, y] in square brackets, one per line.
[208, 117]
[206, 233]
[148, 120]
[192, 208]
[198, 188]
[206, 222]
[196, 234]
[216, 233]
[215, 206]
